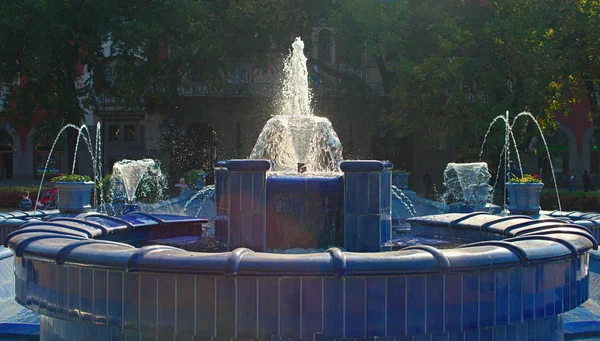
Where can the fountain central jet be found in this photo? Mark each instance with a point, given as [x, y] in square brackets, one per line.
[296, 136]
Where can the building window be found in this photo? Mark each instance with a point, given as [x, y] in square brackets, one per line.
[325, 46]
[130, 134]
[109, 76]
[113, 133]
[239, 73]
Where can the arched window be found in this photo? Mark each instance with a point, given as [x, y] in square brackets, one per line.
[325, 46]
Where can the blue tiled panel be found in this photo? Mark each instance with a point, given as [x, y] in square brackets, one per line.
[62, 291]
[486, 299]
[246, 307]
[131, 300]
[312, 306]
[529, 287]
[333, 300]
[167, 286]
[453, 302]
[148, 302]
[289, 307]
[87, 294]
[376, 301]
[435, 304]
[100, 292]
[186, 301]
[268, 307]
[205, 297]
[355, 307]
[226, 306]
[470, 300]
[396, 306]
[115, 299]
[515, 296]
[540, 304]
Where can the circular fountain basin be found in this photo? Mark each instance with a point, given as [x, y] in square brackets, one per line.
[89, 285]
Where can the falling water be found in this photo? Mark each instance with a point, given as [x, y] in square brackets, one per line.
[205, 195]
[501, 117]
[86, 139]
[467, 182]
[397, 192]
[295, 136]
[527, 114]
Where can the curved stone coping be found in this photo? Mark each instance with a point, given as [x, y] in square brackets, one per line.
[304, 184]
[47, 241]
[366, 166]
[242, 165]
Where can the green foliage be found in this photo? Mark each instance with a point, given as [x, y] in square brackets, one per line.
[71, 178]
[193, 175]
[525, 179]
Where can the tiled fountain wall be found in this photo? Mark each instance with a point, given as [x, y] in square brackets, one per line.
[303, 211]
[88, 288]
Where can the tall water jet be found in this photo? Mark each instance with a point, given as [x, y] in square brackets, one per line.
[295, 137]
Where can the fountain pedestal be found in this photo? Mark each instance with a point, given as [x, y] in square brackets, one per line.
[240, 197]
[367, 205]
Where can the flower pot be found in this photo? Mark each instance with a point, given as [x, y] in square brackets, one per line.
[74, 197]
[400, 180]
[524, 198]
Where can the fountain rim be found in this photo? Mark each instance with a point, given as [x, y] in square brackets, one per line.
[43, 241]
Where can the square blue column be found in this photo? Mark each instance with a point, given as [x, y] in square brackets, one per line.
[367, 204]
[240, 198]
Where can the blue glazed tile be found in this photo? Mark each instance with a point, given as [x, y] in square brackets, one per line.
[259, 189]
[549, 288]
[52, 289]
[148, 302]
[114, 313]
[235, 226]
[486, 334]
[333, 307]
[268, 307]
[312, 306]
[350, 231]
[258, 232]
[453, 302]
[131, 300]
[373, 193]
[246, 311]
[40, 291]
[502, 297]
[529, 293]
[456, 336]
[166, 303]
[87, 295]
[530, 330]
[472, 335]
[515, 297]
[486, 299]
[540, 305]
[521, 329]
[205, 305]
[246, 234]
[511, 332]
[225, 306]
[100, 292]
[376, 294]
[247, 192]
[184, 337]
[62, 291]
[221, 228]
[416, 303]
[350, 192]
[289, 307]
[574, 283]
[386, 189]
[362, 192]
[185, 304]
[424, 337]
[368, 233]
[566, 287]
[500, 333]
[439, 337]
[435, 304]
[355, 307]
[470, 301]
[235, 192]
[386, 230]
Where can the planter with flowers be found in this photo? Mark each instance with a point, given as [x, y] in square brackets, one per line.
[74, 193]
[524, 194]
[196, 177]
[400, 179]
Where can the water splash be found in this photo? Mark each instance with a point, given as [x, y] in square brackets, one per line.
[468, 183]
[131, 172]
[296, 136]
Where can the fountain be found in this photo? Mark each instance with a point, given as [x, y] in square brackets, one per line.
[467, 186]
[140, 275]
